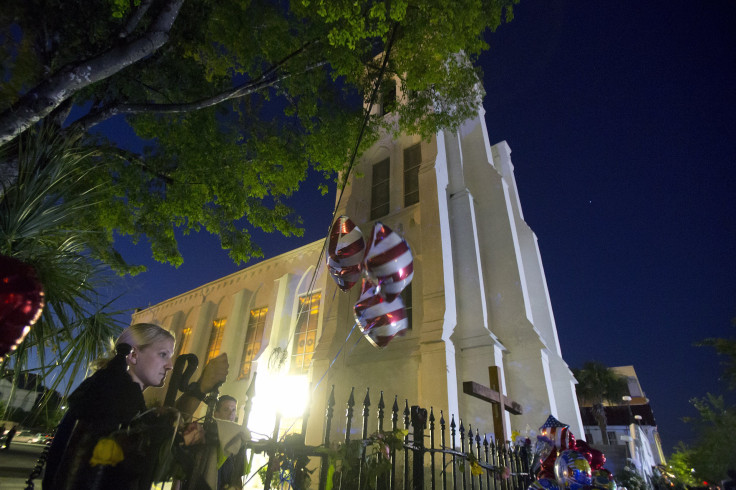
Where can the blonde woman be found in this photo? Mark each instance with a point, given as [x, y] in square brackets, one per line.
[113, 395]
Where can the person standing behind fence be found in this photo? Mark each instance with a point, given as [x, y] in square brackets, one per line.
[227, 409]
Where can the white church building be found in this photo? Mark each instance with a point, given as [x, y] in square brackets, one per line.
[478, 300]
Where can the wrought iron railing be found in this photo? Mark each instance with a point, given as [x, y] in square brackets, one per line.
[433, 454]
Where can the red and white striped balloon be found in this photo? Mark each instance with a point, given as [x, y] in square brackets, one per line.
[345, 253]
[388, 261]
[379, 319]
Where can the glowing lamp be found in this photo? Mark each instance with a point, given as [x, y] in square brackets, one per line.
[278, 393]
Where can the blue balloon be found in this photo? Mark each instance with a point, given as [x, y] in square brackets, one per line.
[572, 470]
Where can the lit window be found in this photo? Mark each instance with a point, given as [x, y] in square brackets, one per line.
[253, 339]
[305, 334]
[412, 161]
[380, 203]
[218, 330]
[184, 338]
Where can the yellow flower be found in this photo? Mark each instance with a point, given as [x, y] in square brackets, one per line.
[107, 452]
[475, 468]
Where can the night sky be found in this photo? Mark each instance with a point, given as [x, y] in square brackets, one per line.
[620, 118]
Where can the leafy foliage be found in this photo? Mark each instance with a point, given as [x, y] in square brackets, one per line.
[630, 478]
[358, 464]
[727, 349]
[287, 466]
[662, 479]
[680, 465]
[712, 454]
[237, 100]
[598, 383]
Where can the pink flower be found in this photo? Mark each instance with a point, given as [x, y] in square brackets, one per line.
[506, 473]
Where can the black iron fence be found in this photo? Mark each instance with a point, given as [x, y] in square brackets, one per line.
[411, 449]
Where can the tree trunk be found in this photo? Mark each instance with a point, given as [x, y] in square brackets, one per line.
[600, 417]
[40, 101]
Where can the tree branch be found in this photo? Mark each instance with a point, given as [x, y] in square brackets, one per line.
[140, 163]
[248, 88]
[62, 85]
[135, 19]
[267, 79]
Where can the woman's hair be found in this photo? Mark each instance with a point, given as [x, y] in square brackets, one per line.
[139, 335]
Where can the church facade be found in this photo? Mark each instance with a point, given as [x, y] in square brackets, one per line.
[478, 302]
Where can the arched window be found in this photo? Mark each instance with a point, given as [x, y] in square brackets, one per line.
[253, 339]
[183, 344]
[218, 330]
[305, 334]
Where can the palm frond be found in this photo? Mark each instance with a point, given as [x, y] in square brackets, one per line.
[42, 223]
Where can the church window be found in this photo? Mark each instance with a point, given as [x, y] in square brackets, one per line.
[406, 298]
[253, 339]
[412, 161]
[380, 195]
[184, 338]
[218, 330]
[388, 97]
[305, 334]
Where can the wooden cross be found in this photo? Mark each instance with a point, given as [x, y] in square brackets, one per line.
[496, 398]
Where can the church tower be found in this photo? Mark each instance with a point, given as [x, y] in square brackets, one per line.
[478, 304]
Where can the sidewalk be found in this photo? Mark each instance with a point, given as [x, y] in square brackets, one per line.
[16, 464]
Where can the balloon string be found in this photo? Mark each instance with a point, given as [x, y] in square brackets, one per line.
[336, 356]
[313, 280]
[354, 346]
[366, 117]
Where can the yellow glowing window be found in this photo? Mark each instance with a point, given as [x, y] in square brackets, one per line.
[218, 330]
[253, 339]
[305, 335]
[184, 339]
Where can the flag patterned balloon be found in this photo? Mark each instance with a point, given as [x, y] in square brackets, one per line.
[388, 261]
[379, 319]
[562, 438]
[559, 433]
[552, 422]
[345, 253]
